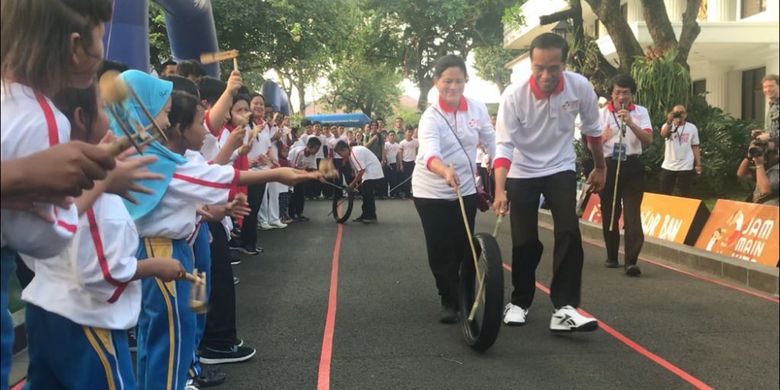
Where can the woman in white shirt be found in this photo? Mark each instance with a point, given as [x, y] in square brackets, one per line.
[448, 136]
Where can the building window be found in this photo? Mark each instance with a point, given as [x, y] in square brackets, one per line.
[596, 29]
[624, 10]
[752, 7]
[752, 95]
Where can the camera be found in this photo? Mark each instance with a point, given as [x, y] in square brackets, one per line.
[677, 115]
[757, 148]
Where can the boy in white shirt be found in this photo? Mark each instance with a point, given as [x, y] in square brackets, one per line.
[368, 173]
[391, 159]
[409, 146]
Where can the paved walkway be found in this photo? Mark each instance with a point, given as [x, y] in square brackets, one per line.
[371, 322]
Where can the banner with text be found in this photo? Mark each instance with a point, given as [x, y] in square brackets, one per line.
[747, 231]
[669, 218]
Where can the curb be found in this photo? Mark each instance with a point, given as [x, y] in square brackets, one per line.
[755, 276]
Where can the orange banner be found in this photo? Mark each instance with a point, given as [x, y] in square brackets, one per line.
[668, 217]
[592, 211]
[747, 231]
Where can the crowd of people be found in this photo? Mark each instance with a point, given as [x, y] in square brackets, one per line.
[108, 244]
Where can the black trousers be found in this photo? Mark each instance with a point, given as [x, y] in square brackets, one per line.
[680, 179]
[249, 226]
[630, 191]
[559, 191]
[220, 330]
[392, 177]
[488, 182]
[408, 170]
[297, 199]
[445, 240]
[367, 191]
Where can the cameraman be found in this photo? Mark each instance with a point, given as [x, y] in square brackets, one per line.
[682, 158]
[764, 157]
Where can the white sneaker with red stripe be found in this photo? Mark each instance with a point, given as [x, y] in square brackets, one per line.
[568, 319]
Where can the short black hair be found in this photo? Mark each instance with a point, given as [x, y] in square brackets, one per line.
[184, 106]
[111, 65]
[313, 142]
[341, 146]
[165, 65]
[188, 68]
[449, 61]
[181, 83]
[622, 80]
[211, 88]
[550, 41]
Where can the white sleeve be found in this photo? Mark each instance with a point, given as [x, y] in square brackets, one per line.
[695, 136]
[589, 111]
[29, 234]
[487, 134]
[506, 123]
[204, 184]
[428, 136]
[104, 257]
[644, 121]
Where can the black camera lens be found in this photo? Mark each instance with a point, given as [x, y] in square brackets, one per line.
[677, 115]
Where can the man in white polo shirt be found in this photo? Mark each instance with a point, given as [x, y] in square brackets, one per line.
[534, 148]
[368, 174]
[682, 157]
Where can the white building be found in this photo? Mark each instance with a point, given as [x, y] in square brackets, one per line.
[737, 46]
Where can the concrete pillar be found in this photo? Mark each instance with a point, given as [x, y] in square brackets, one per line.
[721, 10]
[717, 76]
[635, 13]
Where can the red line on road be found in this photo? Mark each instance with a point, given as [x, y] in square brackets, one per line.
[695, 382]
[323, 376]
[693, 275]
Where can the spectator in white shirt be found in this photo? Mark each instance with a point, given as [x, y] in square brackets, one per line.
[409, 147]
[391, 159]
[682, 158]
[368, 173]
[534, 134]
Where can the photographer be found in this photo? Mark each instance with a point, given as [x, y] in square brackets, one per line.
[682, 158]
[761, 162]
[772, 94]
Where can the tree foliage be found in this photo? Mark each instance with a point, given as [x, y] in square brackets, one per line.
[490, 61]
[430, 29]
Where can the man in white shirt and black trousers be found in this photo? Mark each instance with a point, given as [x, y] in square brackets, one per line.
[535, 149]
[682, 157]
[368, 175]
[621, 115]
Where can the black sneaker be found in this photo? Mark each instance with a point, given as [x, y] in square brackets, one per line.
[247, 250]
[303, 218]
[358, 219]
[447, 315]
[210, 376]
[369, 221]
[236, 280]
[234, 354]
[235, 261]
[611, 264]
[633, 270]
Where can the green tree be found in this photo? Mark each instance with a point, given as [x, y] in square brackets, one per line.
[427, 30]
[159, 47]
[490, 63]
[362, 78]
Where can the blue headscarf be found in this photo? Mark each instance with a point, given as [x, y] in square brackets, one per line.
[153, 93]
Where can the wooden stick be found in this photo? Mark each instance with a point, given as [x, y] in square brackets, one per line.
[235, 63]
[469, 237]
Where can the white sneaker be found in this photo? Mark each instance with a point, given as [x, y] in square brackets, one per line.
[278, 225]
[568, 319]
[265, 226]
[514, 315]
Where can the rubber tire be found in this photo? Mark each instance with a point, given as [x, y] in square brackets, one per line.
[334, 208]
[481, 333]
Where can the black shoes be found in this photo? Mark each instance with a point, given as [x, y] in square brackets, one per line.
[448, 315]
[633, 270]
[233, 354]
[210, 376]
[611, 264]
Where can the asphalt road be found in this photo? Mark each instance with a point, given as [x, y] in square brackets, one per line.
[386, 334]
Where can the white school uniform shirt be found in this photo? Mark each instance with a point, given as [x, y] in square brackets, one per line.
[323, 139]
[299, 160]
[260, 146]
[194, 183]
[28, 125]
[332, 145]
[471, 123]
[391, 152]
[409, 150]
[534, 131]
[89, 282]
[678, 150]
[361, 158]
[609, 119]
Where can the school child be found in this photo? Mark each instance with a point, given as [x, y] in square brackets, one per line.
[391, 162]
[37, 63]
[368, 174]
[302, 158]
[166, 327]
[284, 195]
[82, 301]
